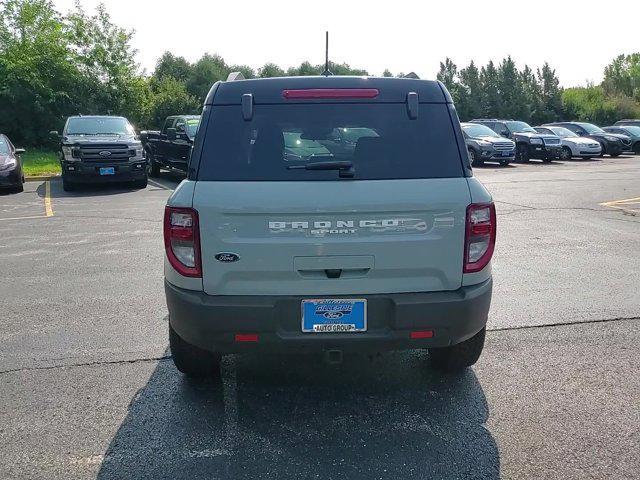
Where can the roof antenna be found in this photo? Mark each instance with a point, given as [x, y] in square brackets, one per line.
[326, 72]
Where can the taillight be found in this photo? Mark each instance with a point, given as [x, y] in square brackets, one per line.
[480, 238]
[182, 240]
[331, 93]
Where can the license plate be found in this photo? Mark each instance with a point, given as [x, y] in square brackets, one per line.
[107, 171]
[334, 315]
[507, 154]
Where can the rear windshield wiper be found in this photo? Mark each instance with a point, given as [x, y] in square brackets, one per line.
[345, 167]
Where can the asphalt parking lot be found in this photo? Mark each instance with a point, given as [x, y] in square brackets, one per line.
[89, 390]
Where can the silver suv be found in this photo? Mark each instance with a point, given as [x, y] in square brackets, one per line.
[485, 145]
[328, 214]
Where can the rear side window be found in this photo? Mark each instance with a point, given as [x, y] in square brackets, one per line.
[378, 139]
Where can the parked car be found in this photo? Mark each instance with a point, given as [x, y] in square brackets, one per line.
[630, 131]
[100, 149]
[612, 144]
[11, 176]
[170, 147]
[269, 249]
[572, 144]
[629, 121]
[485, 145]
[529, 143]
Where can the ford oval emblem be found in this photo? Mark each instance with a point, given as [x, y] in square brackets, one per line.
[105, 153]
[227, 257]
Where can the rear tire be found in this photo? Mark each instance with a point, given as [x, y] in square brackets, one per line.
[522, 153]
[20, 186]
[140, 183]
[458, 357]
[153, 169]
[191, 360]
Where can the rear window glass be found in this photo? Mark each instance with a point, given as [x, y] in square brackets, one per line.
[378, 139]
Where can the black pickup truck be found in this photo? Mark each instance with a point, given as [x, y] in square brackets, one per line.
[170, 147]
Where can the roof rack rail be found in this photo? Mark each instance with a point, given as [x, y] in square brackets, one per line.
[233, 76]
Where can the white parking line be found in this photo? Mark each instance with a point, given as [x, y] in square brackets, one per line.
[156, 184]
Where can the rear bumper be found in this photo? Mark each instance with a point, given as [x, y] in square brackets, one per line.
[211, 322]
[85, 172]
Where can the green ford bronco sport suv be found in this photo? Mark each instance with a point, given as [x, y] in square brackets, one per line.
[328, 214]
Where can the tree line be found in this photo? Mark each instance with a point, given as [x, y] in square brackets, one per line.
[53, 65]
[504, 91]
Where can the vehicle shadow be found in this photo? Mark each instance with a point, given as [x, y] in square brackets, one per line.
[297, 417]
[89, 190]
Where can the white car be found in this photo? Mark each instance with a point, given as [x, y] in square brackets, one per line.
[572, 144]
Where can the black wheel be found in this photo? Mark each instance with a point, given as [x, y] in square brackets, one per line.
[191, 360]
[20, 187]
[636, 148]
[153, 169]
[460, 356]
[603, 150]
[565, 153]
[140, 183]
[473, 158]
[523, 153]
[67, 186]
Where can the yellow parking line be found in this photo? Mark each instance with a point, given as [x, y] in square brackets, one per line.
[48, 209]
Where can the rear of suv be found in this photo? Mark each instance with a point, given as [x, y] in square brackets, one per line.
[328, 214]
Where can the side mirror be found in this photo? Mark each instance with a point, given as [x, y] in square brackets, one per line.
[505, 134]
[19, 151]
[171, 133]
[54, 133]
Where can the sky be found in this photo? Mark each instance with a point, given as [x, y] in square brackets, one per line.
[577, 37]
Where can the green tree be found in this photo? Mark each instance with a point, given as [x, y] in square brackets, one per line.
[622, 76]
[512, 104]
[491, 101]
[171, 98]
[531, 96]
[206, 71]
[171, 66]
[103, 53]
[470, 93]
[550, 95]
[387, 73]
[270, 70]
[38, 79]
[448, 75]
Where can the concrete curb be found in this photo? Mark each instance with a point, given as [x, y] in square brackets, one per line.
[41, 178]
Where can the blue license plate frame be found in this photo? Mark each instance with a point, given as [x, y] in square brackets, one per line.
[334, 315]
[107, 171]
